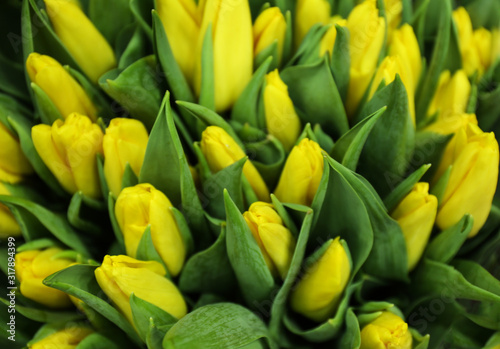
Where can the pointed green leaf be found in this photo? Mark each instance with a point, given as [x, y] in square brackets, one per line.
[143, 312]
[207, 92]
[146, 250]
[341, 61]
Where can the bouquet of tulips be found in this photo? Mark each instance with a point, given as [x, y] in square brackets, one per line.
[198, 174]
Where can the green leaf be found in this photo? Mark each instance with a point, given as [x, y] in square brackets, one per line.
[143, 312]
[268, 157]
[146, 250]
[254, 277]
[79, 281]
[184, 230]
[161, 154]
[209, 271]
[228, 178]
[445, 246]
[141, 9]
[207, 92]
[270, 52]
[36, 245]
[99, 13]
[132, 45]
[341, 61]
[55, 223]
[76, 216]
[99, 341]
[352, 334]
[129, 178]
[44, 315]
[439, 188]
[222, 325]
[314, 93]
[390, 145]
[245, 110]
[136, 89]
[404, 188]
[347, 149]
[114, 224]
[325, 141]
[46, 108]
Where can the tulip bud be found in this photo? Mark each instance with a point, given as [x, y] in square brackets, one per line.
[473, 179]
[8, 224]
[120, 276]
[405, 45]
[143, 205]
[35, 265]
[69, 149]
[386, 331]
[446, 126]
[66, 338]
[281, 119]
[328, 41]
[393, 12]
[182, 26]
[233, 58]
[367, 32]
[13, 162]
[309, 13]
[125, 142]
[221, 150]
[390, 66]
[318, 294]
[416, 214]
[66, 94]
[475, 46]
[452, 94]
[301, 175]
[276, 242]
[82, 39]
[269, 27]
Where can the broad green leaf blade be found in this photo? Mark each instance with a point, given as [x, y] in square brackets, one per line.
[44, 315]
[341, 61]
[207, 92]
[144, 312]
[46, 108]
[146, 250]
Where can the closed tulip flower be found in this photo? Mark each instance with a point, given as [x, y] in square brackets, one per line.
[8, 224]
[276, 242]
[69, 149]
[309, 13]
[387, 71]
[452, 94]
[318, 294]
[143, 205]
[221, 150]
[405, 45]
[67, 338]
[386, 331]
[181, 21]
[232, 49]
[34, 266]
[124, 143]
[281, 119]
[269, 27]
[62, 89]
[13, 164]
[120, 276]
[473, 179]
[301, 175]
[81, 38]
[367, 32]
[328, 41]
[416, 214]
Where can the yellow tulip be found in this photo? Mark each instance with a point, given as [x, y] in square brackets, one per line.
[328, 41]
[447, 126]
[451, 96]
[141, 206]
[307, 14]
[473, 179]
[269, 27]
[367, 32]
[8, 224]
[281, 119]
[66, 94]
[221, 150]
[181, 21]
[390, 66]
[405, 45]
[34, 266]
[69, 150]
[416, 214]
[124, 143]
[120, 276]
[318, 294]
[386, 331]
[393, 12]
[276, 242]
[13, 163]
[301, 175]
[232, 49]
[476, 46]
[67, 338]
[82, 39]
